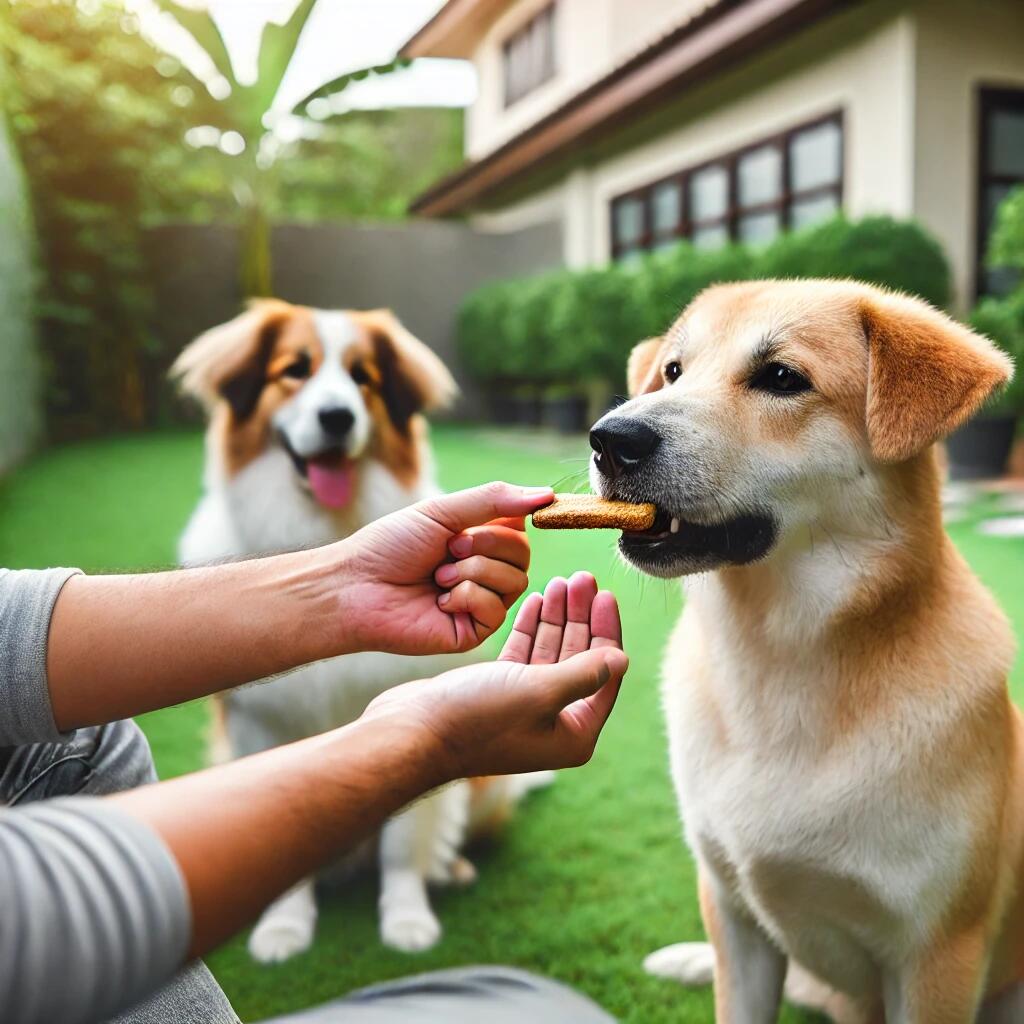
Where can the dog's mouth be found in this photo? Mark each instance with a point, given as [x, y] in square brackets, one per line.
[329, 475]
[676, 546]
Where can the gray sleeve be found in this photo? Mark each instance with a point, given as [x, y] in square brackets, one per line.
[94, 914]
[27, 598]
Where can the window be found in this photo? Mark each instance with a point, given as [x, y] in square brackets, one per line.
[1000, 170]
[530, 56]
[789, 181]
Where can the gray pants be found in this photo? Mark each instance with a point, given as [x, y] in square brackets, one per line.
[110, 758]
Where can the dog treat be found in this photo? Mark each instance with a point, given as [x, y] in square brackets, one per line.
[589, 512]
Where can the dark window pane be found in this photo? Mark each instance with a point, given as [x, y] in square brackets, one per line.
[805, 212]
[666, 207]
[628, 222]
[713, 236]
[814, 155]
[1006, 143]
[530, 56]
[759, 228]
[709, 193]
[759, 176]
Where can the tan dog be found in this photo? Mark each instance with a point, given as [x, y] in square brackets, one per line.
[847, 759]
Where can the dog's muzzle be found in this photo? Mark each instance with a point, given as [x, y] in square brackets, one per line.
[634, 463]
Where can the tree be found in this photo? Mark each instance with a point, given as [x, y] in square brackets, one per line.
[247, 112]
[98, 115]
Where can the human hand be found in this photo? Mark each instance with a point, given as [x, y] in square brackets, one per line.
[542, 705]
[439, 576]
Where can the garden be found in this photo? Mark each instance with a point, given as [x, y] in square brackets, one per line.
[116, 148]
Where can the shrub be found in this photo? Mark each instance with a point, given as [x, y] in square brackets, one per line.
[571, 327]
[1002, 320]
[878, 250]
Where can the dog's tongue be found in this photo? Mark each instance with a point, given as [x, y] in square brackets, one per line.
[331, 485]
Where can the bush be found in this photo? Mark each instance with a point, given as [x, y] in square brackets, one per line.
[878, 250]
[1002, 320]
[574, 327]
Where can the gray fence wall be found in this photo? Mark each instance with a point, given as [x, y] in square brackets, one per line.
[20, 420]
[422, 270]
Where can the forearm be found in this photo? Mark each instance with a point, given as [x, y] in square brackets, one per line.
[245, 832]
[121, 645]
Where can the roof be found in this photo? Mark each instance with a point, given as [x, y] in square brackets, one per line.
[722, 33]
[454, 30]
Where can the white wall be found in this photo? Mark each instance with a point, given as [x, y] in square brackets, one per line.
[959, 47]
[636, 24]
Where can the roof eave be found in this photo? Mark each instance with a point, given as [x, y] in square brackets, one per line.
[724, 33]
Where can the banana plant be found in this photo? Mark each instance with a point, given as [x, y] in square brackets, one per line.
[247, 110]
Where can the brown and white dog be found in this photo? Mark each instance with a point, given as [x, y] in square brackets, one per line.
[315, 431]
[848, 763]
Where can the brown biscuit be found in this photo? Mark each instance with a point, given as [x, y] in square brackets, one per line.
[589, 512]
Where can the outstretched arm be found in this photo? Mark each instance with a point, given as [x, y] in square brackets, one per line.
[286, 812]
[436, 577]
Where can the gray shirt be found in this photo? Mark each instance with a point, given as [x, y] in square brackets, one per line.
[94, 913]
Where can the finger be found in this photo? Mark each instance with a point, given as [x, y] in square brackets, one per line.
[501, 542]
[548, 642]
[505, 580]
[580, 596]
[484, 606]
[520, 641]
[479, 505]
[605, 624]
[572, 681]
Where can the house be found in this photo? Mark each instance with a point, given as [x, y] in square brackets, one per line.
[633, 123]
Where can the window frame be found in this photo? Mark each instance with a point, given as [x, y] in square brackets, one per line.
[734, 212]
[548, 14]
[989, 98]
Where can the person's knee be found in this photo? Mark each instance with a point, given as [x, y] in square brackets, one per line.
[120, 759]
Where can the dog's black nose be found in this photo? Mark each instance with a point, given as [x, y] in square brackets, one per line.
[336, 421]
[620, 445]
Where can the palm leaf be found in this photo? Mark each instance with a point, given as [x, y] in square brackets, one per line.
[277, 47]
[336, 85]
[204, 31]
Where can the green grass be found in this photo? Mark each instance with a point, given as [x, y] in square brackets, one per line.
[589, 877]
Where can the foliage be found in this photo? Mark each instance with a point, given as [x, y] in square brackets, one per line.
[247, 112]
[367, 164]
[98, 115]
[1001, 318]
[1007, 246]
[569, 327]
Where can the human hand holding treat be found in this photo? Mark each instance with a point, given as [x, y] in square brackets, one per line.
[438, 576]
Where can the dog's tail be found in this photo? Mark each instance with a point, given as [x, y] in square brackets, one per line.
[693, 964]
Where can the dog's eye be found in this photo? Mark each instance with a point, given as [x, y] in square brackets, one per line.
[299, 369]
[777, 379]
[673, 371]
[359, 374]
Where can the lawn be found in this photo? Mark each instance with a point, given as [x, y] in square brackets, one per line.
[590, 876]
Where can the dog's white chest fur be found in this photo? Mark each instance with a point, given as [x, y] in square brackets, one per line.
[806, 831]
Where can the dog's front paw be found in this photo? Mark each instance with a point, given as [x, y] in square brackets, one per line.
[690, 963]
[410, 931]
[274, 940]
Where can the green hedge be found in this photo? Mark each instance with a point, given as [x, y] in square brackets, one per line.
[570, 327]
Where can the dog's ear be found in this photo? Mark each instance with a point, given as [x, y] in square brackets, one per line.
[412, 378]
[643, 371]
[927, 374]
[229, 361]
